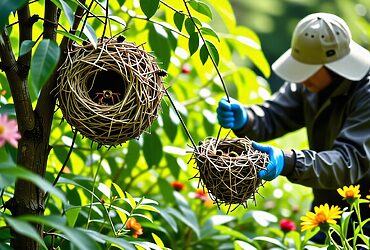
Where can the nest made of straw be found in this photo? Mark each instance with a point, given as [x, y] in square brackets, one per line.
[111, 93]
[228, 169]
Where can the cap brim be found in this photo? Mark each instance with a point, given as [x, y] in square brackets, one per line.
[353, 66]
[292, 70]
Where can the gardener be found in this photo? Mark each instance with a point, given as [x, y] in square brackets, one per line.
[327, 90]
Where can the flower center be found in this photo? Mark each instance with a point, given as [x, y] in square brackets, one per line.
[320, 218]
[2, 129]
[350, 193]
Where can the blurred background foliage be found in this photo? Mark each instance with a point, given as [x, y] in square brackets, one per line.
[152, 176]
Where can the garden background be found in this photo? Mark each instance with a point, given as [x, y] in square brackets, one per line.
[150, 179]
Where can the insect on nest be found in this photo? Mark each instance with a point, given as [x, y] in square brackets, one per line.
[228, 169]
[111, 93]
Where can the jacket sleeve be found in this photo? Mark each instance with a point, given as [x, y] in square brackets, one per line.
[275, 117]
[348, 161]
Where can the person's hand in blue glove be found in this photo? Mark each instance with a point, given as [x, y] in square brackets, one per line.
[231, 114]
[276, 164]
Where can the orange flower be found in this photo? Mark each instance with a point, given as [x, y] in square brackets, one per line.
[323, 214]
[202, 195]
[134, 225]
[178, 185]
[350, 192]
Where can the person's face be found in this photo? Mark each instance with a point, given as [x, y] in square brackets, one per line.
[318, 81]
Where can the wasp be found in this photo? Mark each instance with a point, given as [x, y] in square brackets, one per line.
[161, 72]
[107, 96]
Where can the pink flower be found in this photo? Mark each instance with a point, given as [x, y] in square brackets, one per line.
[185, 69]
[8, 131]
[287, 225]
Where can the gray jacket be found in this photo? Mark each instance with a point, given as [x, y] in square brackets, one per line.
[338, 127]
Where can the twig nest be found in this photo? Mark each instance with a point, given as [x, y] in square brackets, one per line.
[110, 94]
[228, 169]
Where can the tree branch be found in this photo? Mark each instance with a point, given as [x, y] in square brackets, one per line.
[18, 86]
[25, 33]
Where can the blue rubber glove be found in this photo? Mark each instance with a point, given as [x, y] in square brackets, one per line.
[276, 164]
[231, 114]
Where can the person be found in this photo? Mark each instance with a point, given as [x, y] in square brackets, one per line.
[327, 90]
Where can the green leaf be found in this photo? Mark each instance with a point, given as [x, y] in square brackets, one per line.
[193, 43]
[130, 200]
[271, 240]
[172, 40]
[24, 174]
[147, 208]
[26, 47]
[8, 6]
[77, 237]
[309, 234]
[117, 241]
[25, 229]
[44, 62]
[158, 240]
[91, 35]
[346, 216]
[149, 7]
[8, 109]
[71, 36]
[233, 233]
[240, 245]
[72, 215]
[213, 51]
[121, 194]
[68, 12]
[187, 219]
[153, 149]
[122, 215]
[173, 165]
[201, 7]
[170, 121]
[133, 154]
[158, 41]
[166, 190]
[203, 54]
[208, 31]
[169, 219]
[63, 180]
[178, 19]
[121, 2]
[189, 26]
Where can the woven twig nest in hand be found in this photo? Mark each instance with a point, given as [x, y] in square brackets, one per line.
[228, 169]
[110, 94]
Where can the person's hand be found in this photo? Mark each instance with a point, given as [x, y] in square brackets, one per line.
[276, 164]
[231, 114]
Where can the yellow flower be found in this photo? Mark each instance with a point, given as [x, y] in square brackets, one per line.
[323, 214]
[368, 197]
[350, 192]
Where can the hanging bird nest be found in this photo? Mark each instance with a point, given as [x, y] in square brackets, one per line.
[228, 169]
[111, 93]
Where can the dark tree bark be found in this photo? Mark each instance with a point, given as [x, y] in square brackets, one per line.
[34, 125]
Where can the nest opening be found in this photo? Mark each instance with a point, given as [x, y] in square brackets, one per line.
[106, 87]
[228, 169]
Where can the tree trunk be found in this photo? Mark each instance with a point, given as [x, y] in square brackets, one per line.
[34, 125]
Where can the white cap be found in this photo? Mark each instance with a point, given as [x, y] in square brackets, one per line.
[322, 39]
